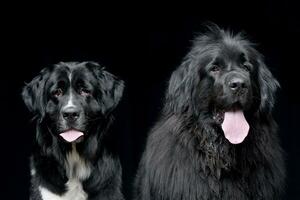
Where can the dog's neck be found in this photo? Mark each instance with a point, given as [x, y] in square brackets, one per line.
[76, 166]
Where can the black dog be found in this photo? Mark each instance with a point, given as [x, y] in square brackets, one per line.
[72, 159]
[216, 138]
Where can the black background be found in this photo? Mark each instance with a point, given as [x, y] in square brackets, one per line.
[142, 44]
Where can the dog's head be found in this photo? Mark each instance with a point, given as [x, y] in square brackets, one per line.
[223, 77]
[70, 98]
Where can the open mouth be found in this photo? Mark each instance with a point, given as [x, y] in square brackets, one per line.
[233, 123]
[72, 135]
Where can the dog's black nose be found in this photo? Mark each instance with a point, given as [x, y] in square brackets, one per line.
[71, 114]
[236, 84]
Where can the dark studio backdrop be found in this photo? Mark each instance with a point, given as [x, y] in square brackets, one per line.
[142, 46]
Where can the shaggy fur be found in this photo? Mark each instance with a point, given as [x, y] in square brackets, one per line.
[89, 167]
[187, 156]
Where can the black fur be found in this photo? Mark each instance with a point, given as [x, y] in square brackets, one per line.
[96, 93]
[187, 156]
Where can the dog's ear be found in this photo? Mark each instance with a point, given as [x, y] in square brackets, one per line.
[111, 88]
[180, 88]
[33, 93]
[112, 91]
[268, 86]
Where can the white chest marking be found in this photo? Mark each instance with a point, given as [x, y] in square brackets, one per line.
[77, 170]
[75, 192]
[77, 167]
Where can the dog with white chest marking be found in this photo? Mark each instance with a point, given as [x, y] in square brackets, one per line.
[73, 158]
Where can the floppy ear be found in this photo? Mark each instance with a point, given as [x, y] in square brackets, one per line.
[111, 87]
[33, 95]
[112, 91]
[181, 84]
[268, 86]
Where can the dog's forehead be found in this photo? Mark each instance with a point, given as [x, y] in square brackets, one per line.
[59, 72]
[224, 55]
[232, 51]
[81, 73]
[71, 70]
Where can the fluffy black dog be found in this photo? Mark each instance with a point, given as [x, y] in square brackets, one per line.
[73, 158]
[216, 138]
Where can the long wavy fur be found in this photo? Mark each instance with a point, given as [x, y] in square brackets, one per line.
[187, 156]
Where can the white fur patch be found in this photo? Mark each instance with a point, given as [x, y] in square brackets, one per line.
[75, 192]
[77, 170]
[32, 172]
[76, 166]
[70, 103]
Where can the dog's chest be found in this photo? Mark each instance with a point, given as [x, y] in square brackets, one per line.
[76, 167]
[77, 170]
[74, 192]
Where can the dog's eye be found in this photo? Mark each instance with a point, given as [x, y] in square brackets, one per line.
[57, 93]
[84, 92]
[215, 68]
[246, 67]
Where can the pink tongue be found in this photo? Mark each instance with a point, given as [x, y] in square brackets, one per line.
[235, 126]
[71, 135]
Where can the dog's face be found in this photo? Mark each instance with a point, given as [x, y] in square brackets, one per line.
[70, 98]
[229, 72]
[223, 77]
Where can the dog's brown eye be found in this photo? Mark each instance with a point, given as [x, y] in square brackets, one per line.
[84, 92]
[215, 68]
[58, 92]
